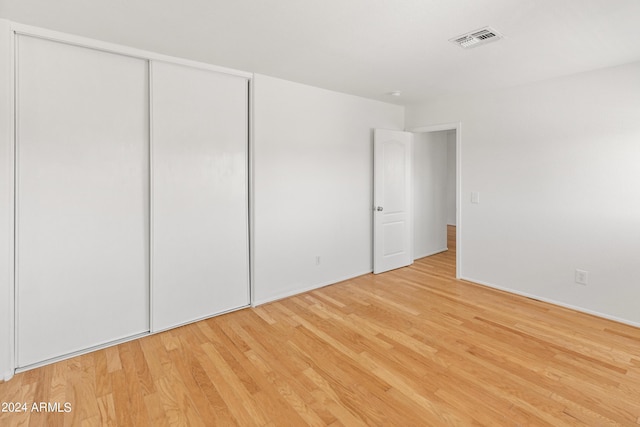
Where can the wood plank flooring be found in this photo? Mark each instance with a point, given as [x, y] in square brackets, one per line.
[412, 347]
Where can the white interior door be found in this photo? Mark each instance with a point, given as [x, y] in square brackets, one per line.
[82, 228]
[393, 210]
[200, 193]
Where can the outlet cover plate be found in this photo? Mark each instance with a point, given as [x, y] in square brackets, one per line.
[582, 277]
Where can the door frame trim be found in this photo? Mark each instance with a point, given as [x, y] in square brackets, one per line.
[457, 126]
[7, 205]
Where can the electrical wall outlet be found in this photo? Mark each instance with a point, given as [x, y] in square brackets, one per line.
[582, 277]
[475, 197]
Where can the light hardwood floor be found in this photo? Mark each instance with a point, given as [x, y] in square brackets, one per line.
[412, 347]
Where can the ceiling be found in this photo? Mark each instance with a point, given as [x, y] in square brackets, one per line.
[364, 47]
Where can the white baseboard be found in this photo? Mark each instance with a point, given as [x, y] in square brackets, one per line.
[7, 376]
[302, 290]
[415, 257]
[554, 302]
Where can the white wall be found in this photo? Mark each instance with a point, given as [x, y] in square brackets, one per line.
[6, 205]
[451, 177]
[556, 166]
[429, 193]
[312, 185]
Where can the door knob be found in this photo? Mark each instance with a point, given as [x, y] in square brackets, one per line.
[379, 208]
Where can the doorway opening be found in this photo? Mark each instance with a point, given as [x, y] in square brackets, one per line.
[436, 195]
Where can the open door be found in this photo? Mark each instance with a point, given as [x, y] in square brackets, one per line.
[393, 209]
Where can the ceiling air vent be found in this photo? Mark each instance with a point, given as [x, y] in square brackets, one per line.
[477, 37]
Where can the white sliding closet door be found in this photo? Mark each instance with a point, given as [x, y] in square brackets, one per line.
[82, 198]
[200, 192]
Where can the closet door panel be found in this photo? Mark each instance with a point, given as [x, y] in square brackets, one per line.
[82, 198]
[200, 192]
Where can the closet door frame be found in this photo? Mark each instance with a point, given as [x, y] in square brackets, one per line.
[7, 189]
[8, 32]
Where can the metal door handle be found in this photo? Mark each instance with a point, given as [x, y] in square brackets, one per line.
[379, 208]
